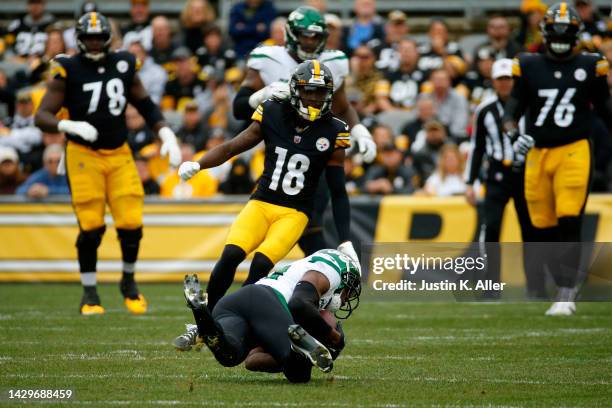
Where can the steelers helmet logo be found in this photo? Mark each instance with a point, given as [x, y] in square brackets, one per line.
[322, 144]
[580, 74]
[122, 66]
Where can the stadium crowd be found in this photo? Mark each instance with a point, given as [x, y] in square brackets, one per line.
[416, 93]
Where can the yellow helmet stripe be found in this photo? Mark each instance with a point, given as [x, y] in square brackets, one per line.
[94, 19]
[317, 68]
[563, 10]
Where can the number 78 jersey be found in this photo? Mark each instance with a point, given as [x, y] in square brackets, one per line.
[97, 92]
[295, 156]
[558, 96]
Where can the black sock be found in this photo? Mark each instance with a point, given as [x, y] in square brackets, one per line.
[223, 273]
[260, 267]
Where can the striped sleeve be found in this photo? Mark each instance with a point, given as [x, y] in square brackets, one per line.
[602, 67]
[343, 137]
[258, 114]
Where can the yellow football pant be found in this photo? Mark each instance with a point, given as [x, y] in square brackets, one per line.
[100, 177]
[267, 228]
[557, 182]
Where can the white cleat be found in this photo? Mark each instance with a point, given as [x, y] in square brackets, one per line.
[561, 309]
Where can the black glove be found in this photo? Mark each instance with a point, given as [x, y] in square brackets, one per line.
[337, 348]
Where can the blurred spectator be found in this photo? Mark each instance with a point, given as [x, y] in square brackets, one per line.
[390, 176]
[499, 43]
[213, 56]
[448, 178]
[196, 15]
[382, 136]
[529, 35]
[27, 35]
[139, 27]
[402, 83]
[320, 5]
[239, 179]
[354, 176]
[46, 181]
[139, 135]
[162, 44]
[220, 113]
[70, 33]
[151, 187]
[193, 131]
[365, 80]
[478, 80]
[396, 29]
[440, 52]
[7, 100]
[24, 136]
[277, 32]
[451, 107]
[426, 148]
[201, 185]
[185, 83]
[595, 26]
[426, 111]
[10, 175]
[117, 37]
[152, 75]
[366, 26]
[249, 24]
[55, 45]
[334, 29]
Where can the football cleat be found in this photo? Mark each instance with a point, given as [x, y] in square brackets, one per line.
[194, 295]
[189, 340]
[561, 309]
[136, 306]
[90, 305]
[306, 345]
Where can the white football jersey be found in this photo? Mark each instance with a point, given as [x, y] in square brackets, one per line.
[325, 261]
[275, 64]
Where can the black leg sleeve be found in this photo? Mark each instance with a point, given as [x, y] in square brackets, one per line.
[223, 273]
[260, 267]
[87, 248]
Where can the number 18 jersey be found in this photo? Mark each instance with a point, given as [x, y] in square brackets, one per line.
[97, 93]
[296, 153]
[558, 95]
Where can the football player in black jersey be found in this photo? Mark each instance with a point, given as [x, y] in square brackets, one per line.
[558, 93]
[95, 86]
[302, 139]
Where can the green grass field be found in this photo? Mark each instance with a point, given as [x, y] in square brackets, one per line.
[398, 354]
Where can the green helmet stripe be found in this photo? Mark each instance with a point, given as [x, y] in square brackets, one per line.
[334, 266]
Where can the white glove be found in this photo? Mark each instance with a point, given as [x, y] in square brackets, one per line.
[521, 147]
[188, 169]
[170, 146]
[82, 129]
[278, 89]
[347, 249]
[367, 147]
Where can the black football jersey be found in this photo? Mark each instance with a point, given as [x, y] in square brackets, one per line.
[29, 37]
[295, 157]
[97, 93]
[557, 96]
[404, 87]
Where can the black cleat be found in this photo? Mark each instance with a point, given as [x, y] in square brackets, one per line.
[90, 304]
[194, 295]
[306, 345]
[128, 288]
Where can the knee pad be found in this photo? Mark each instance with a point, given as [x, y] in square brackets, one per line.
[90, 239]
[129, 236]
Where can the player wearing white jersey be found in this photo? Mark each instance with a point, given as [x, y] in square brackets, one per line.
[275, 324]
[268, 73]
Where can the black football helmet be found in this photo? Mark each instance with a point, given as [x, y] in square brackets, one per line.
[561, 27]
[90, 25]
[311, 89]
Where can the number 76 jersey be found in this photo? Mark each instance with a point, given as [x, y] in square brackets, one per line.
[557, 96]
[97, 93]
[296, 153]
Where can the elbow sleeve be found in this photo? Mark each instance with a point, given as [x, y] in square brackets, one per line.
[242, 109]
[341, 207]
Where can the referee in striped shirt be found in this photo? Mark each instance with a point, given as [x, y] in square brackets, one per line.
[502, 181]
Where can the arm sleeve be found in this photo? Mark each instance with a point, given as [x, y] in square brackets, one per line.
[242, 109]
[477, 148]
[601, 94]
[304, 307]
[340, 202]
[149, 111]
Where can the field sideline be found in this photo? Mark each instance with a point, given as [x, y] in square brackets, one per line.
[398, 354]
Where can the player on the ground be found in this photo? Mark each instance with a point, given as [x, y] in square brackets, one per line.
[268, 74]
[302, 139]
[558, 93]
[276, 324]
[95, 86]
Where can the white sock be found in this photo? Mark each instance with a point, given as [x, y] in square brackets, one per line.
[88, 278]
[129, 267]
